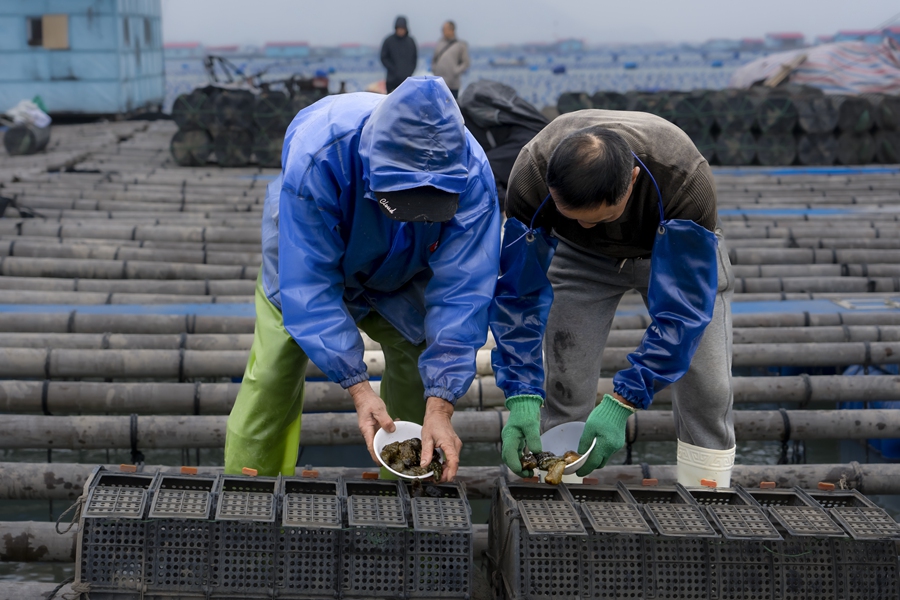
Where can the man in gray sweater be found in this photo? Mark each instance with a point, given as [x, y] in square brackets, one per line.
[628, 203]
[451, 58]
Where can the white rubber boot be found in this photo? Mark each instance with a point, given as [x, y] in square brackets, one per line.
[696, 464]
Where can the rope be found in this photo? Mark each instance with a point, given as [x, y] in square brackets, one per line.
[77, 506]
[64, 583]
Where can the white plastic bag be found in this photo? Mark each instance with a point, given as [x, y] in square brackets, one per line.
[27, 112]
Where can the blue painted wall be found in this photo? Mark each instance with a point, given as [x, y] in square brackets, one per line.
[114, 63]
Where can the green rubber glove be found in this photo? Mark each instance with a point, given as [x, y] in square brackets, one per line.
[606, 423]
[523, 428]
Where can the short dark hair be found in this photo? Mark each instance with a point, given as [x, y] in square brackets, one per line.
[590, 168]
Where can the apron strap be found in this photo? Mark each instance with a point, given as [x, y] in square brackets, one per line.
[656, 185]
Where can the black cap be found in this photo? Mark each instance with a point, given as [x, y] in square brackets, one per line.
[400, 22]
[419, 204]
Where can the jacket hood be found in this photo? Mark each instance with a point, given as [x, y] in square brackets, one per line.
[401, 22]
[414, 138]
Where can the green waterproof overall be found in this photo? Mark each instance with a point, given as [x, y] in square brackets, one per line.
[264, 425]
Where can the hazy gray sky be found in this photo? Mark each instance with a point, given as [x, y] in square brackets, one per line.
[488, 22]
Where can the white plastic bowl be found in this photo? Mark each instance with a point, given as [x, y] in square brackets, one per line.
[563, 438]
[404, 430]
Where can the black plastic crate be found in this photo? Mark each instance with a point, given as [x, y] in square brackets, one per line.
[243, 549]
[309, 540]
[673, 511]
[737, 515]
[112, 538]
[677, 568]
[441, 547]
[178, 557]
[861, 517]
[374, 549]
[866, 570]
[803, 568]
[741, 570]
[112, 554]
[613, 555]
[534, 556]
[796, 512]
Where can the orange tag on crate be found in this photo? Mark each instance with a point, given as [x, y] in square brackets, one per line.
[767, 485]
[590, 481]
[710, 483]
[531, 479]
[249, 471]
[128, 468]
[188, 470]
[370, 475]
[309, 473]
[826, 487]
[649, 482]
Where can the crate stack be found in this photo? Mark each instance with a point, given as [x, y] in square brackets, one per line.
[592, 541]
[185, 536]
[234, 126]
[769, 126]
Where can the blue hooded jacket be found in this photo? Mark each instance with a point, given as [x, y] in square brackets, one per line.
[330, 255]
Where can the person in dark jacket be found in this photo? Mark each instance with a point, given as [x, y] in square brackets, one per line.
[399, 55]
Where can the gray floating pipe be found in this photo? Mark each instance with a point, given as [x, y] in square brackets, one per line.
[82, 397]
[763, 256]
[214, 287]
[79, 322]
[36, 541]
[328, 429]
[189, 364]
[115, 252]
[199, 246]
[119, 269]
[816, 284]
[620, 338]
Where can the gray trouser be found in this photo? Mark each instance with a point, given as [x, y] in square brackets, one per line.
[587, 289]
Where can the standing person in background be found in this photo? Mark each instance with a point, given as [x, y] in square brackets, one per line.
[451, 58]
[399, 55]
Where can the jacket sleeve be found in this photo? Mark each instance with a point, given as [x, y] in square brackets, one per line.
[464, 62]
[386, 59]
[464, 267]
[519, 311]
[681, 299]
[310, 251]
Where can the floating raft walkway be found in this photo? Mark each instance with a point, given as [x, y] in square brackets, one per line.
[126, 316]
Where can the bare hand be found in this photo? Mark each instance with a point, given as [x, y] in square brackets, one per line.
[438, 432]
[371, 413]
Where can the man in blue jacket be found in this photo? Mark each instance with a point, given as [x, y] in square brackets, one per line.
[385, 218]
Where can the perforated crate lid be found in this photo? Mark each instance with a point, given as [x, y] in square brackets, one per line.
[550, 517]
[118, 496]
[866, 522]
[188, 497]
[616, 517]
[376, 511]
[440, 514]
[806, 521]
[246, 499]
[679, 520]
[312, 511]
[743, 522]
